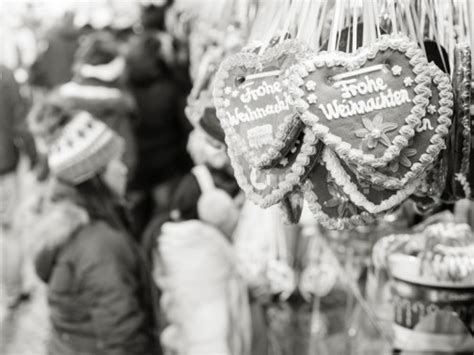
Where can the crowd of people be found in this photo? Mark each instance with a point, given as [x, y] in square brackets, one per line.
[118, 193]
[99, 123]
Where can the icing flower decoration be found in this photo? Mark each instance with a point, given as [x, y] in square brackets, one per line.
[375, 131]
[311, 85]
[235, 93]
[228, 90]
[403, 160]
[226, 102]
[396, 70]
[408, 81]
[431, 109]
[312, 98]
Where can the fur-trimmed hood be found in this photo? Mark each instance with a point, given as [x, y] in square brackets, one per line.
[57, 223]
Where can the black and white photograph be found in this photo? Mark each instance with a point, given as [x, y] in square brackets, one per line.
[236, 177]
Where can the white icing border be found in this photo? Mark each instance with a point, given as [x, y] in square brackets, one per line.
[353, 61]
[343, 179]
[328, 222]
[252, 60]
[463, 100]
[438, 139]
[296, 172]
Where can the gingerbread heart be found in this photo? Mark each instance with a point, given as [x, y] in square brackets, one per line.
[425, 147]
[471, 173]
[365, 106]
[266, 187]
[363, 194]
[462, 128]
[329, 204]
[254, 106]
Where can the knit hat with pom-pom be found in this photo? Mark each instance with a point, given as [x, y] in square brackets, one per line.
[84, 147]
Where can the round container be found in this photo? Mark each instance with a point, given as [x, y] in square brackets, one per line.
[430, 315]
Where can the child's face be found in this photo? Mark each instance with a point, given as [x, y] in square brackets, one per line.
[115, 176]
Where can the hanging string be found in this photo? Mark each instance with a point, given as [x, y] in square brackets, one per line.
[432, 23]
[377, 22]
[422, 18]
[413, 29]
[393, 17]
[293, 11]
[322, 20]
[401, 22]
[365, 26]
[279, 15]
[355, 23]
[340, 24]
[264, 17]
[305, 29]
[334, 27]
[373, 29]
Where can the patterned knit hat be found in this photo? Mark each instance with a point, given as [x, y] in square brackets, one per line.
[85, 146]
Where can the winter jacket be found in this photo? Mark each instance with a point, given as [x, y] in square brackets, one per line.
[98, 291]
[12, 110]
[161, 129]
[204, 298]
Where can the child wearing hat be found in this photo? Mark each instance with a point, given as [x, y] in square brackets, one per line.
[99, 292]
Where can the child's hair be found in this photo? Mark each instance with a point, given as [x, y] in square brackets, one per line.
[101, 203]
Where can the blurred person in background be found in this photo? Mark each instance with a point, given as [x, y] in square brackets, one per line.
[53, 66]
[159, 19]
[161, 129]
[97, 87]
[99, 289]
[13, 135]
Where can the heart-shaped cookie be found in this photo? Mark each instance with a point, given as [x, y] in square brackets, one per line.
[365, 106]
[462, 128]
[471, 173]
[425, 147]
[363, 194]
[266, 187]
[253, 103]
[330, 206]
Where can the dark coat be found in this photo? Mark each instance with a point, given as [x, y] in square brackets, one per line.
[98, 291]
[12, 110]
[162, 129]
